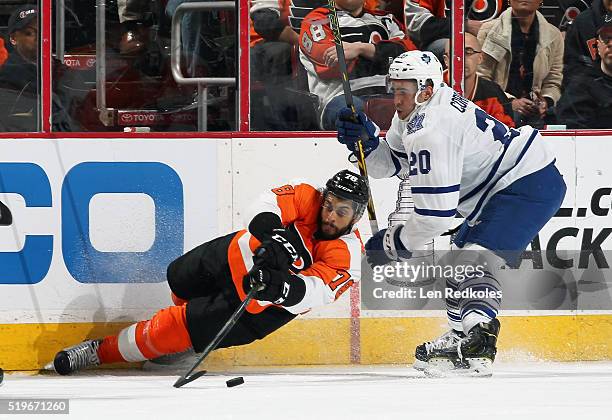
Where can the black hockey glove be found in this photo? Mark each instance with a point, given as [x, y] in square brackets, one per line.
[278, 286]
[350, 131]
[6, 217]
[278, 250]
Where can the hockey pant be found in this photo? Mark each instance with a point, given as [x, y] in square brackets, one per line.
[507, 224]
[205, 295]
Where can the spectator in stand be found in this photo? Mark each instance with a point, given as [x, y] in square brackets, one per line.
[370, 40]
[428, 21]
[272, 39]
[587, 101]
[484, 93]
[19, 78]
[581, 40]
[523, 53]
[19, 74]
[131, 15]
[3, 52]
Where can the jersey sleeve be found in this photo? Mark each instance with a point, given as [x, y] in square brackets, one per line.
[419, 12]
[316, 37]
[290, 202]
[436, 166]
[389, 158]
[336, 268]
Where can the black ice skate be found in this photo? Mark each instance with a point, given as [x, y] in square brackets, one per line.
[443, 346]
[480, 347]
[474, 355]
[77, 357]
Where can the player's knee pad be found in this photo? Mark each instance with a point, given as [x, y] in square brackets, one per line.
[166, 332]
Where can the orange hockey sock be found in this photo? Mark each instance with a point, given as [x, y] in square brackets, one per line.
[165, 333]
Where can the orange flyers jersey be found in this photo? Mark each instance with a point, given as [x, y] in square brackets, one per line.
[3, 52]
[327, 267]
[292, 12]
[371, 27]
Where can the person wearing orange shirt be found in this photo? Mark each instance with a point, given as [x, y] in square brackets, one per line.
[308, 253]
[3, 52]
[370, 39]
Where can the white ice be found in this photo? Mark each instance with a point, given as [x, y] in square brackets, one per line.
[534, 390]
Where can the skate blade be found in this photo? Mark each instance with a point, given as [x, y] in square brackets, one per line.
[441, 368]
[419, 365]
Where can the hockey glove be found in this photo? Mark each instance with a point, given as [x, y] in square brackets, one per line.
[386, 246]
[278, 287]
[278, 250]
[350, 130]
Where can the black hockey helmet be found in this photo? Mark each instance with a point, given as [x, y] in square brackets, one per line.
[350, 186]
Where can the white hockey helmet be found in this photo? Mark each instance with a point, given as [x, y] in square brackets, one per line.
[419, 66]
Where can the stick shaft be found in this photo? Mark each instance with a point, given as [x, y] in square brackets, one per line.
[218, 338]
[348, 95]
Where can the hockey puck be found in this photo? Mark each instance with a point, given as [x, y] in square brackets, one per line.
[235, 382]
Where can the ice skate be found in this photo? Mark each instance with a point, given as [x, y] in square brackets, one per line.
[446, 344]
[76, 358]
[472, 356]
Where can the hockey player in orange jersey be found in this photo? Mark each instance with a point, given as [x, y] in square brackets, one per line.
[312, 255]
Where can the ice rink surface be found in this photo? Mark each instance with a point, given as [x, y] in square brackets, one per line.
[534, 390]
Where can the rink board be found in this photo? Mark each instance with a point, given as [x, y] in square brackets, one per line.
[98, 220]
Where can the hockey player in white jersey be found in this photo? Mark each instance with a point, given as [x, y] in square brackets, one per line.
[503, 181]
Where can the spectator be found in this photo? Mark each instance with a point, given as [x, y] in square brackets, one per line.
[484, 93]
[19, 74]
[581, 40]
[587, 101]
[131, 16]
[371, 39]
[19, 81]
[272, 40]
[523, 53]
[3, 52]
[428, 21]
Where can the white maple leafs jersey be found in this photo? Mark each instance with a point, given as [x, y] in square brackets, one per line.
[458, 157]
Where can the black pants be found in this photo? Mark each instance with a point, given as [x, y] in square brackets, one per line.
[203, 278]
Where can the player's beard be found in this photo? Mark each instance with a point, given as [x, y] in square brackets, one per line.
[321, 234]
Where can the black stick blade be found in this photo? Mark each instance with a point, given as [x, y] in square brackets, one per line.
[186, 379]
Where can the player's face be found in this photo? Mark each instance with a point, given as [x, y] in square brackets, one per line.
[26, 42]
[524, 7]
[404, 92]
[336, 215]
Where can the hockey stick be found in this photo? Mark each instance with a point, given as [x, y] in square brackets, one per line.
[348, 96]
[190, 376]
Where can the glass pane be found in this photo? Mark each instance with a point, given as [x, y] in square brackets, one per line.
[121, 79]
[19, 68]
[548, 60]
[293, 88]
